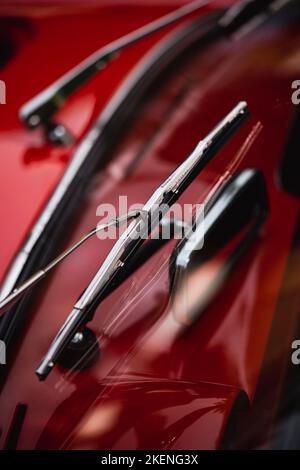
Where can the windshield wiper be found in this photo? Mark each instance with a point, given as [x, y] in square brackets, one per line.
[40, 109]
[33, 280]
[10, 300]
[138, 231]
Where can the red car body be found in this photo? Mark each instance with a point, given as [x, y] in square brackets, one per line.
[154, 386]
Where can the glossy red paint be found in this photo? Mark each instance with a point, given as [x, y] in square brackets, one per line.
[155, 385]
[57, 40]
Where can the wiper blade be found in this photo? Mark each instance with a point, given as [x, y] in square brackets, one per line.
[9, 300]
[33, 280]
[133, 237]
[39, 110]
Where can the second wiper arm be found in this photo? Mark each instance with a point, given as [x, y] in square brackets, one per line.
[40, 109]
[137, 232]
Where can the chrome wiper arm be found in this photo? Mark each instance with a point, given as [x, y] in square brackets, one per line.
[40, 109]
[132, 238]
[33, 280]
